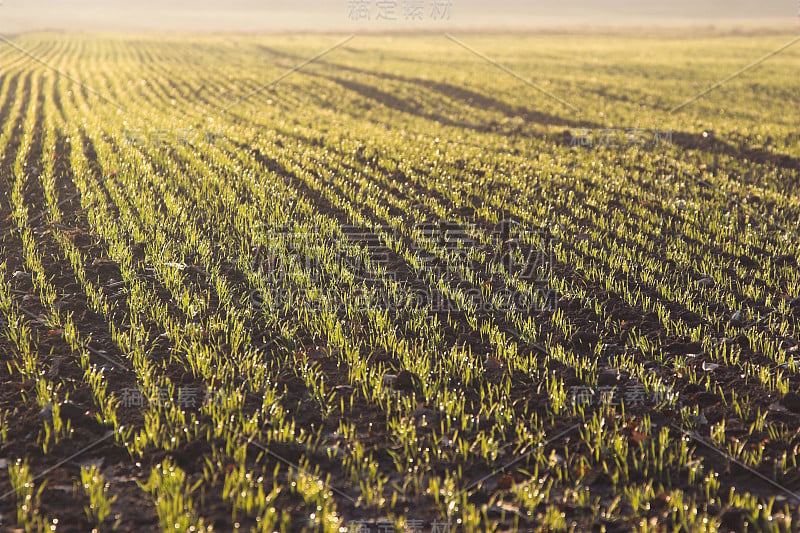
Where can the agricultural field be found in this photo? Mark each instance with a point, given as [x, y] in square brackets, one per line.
[313, 282]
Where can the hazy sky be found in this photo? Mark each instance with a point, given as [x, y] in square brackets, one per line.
[271, 15]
